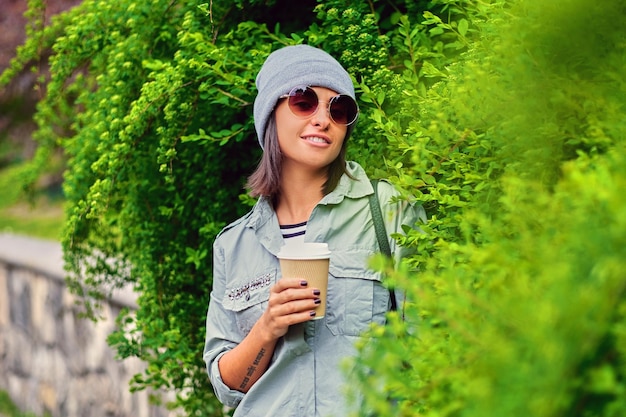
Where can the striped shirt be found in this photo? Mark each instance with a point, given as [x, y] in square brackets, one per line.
[293, 232]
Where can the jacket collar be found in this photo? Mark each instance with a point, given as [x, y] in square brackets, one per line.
[348, 187]
[359, 187]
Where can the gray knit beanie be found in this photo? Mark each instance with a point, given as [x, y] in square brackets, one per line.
[293, 66]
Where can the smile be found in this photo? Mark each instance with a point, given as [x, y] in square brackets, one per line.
[315, 139]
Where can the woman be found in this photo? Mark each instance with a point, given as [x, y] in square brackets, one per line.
[264, 353]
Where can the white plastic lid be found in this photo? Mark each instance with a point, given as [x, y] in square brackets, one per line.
[304, 250]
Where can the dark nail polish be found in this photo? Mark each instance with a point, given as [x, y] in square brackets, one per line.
[317, 301]
[304, 283]
[312, 314]
[316, 292]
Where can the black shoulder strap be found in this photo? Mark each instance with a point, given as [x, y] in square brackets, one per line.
[381, 235]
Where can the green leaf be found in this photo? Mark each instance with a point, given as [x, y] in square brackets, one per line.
[463, 26]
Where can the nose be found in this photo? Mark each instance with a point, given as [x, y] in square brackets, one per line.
[322, 115]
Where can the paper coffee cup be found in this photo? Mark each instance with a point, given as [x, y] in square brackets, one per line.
[310, 262]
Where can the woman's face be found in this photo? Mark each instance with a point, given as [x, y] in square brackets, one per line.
[313, 142]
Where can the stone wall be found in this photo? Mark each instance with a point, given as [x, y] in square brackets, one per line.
[51, 359]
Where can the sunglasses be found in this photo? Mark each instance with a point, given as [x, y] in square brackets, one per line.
[304, 102]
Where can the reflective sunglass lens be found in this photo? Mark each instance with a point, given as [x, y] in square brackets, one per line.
[303, 101]
[343, 109]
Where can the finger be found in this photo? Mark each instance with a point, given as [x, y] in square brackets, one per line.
[279, 317]
[290, 295]
[297, 306]
[296, 317]
[284, 283]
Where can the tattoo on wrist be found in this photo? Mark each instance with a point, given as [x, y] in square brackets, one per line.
[252, 369]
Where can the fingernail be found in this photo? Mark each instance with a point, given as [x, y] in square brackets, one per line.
[317, 301]
[304, 283]
[312, 314]
[316, 292]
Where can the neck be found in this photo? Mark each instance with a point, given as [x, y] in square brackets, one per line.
[300, 192]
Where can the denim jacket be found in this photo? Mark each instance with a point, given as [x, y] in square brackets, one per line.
[305, 377]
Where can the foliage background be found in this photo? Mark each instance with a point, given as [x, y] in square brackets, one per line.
[521, 290]
[505, 119]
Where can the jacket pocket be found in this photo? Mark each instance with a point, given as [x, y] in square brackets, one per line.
[247, 299]
[356, 295]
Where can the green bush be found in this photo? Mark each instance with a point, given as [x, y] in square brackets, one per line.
[519, 297]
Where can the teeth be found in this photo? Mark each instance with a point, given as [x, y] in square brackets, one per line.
[315, 139]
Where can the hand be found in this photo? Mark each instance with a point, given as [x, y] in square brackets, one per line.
[291, 301]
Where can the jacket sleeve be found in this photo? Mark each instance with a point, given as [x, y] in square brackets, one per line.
[221, 332]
